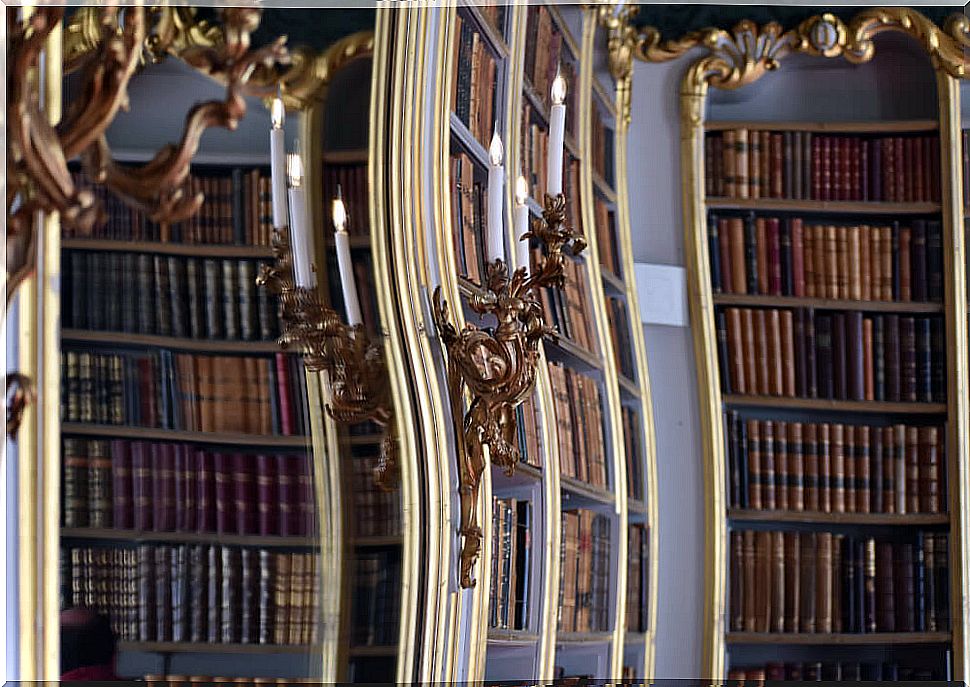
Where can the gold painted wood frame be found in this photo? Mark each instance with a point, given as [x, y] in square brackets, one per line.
[735, 59]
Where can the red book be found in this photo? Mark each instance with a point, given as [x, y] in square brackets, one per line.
[267, 516]
[828, 154]
[244, 503]
[283, 395]
[146, 382]
[205, 491]
[845, 152]
[797, 257]
[163, 486]
[185, 498]
[123, 513]
[285, 494]
[181, 472]
[816, 168]
[899, 180]
[304, 491]
[141, 481]
[222, 466]
[918, 171]
[863, 168]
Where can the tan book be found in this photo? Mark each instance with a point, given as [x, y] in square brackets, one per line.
[824, 467]
[762, 352]
[868, 362]
[788, 353]
[775, 363]
[750, 366]
[796, 468]
[736, 350]
[823, 582]
[739, 277]
[837, 467]
[842, 256]
[777, 582]
[766, 168]
[763, 567]
[831, 262]
[875, 262]
[865, 262]
[836, 577]
[854, 263]
[741, 182]
[886, 250]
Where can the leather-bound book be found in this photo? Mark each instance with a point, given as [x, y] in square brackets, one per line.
[98, 504]
[837, 164]
[709, 155]
[194, 295]
[912, 470]
[837, 466]
[868, 363]
[899, 467]
[879, 357]
[905, 265]
[887, 252]
[941, 575]
[723, 356]
[761, 256]
[889, 170]
[924, 360]
[909, 170]
[875, 262]
[751, 253]
[198, 593]
[741, 164]
[730, 140]
[205, 490]
[826, 155]
[825, 467]
[163, 593]
[246, 274]
[938, 358]
[737, 674]
[811, 363]
[742, 431]
[775, 267]
[726, 254]
[768, 496]
[800, 355]
[792, 582]
[763, 351]
[875, 151]
[223, 479]
[763, 575]
[810, 454]
[266, 612]
[907, 337]
[777, 613]
[823, 353]
[812, 671]
[865, 262]
[798, 263]
[892, 357]
[786, 355]
[850, 159]
[787, 283]
[736, 587]
[733, 375]
[869, 585]
[753, 453]
[244, 487]
[929, 470]
[214, 582]
[885, 607]
[853, 255]
[75, 483]
[287, 423]
[861, 458]
[781, 465]
[774, 671]
[282, 583]
[823, 584]
[180, 592]
[904, 577]
[840, 356]
[748, 346]
[917, 271]
[749, 594]
[934, 261]
[807, 578]
[714, 252]
[181, 472]
[735, 458]
[831, 270]
[876, 477]
[249, 596]
[814, 145]
[794, 672]
[896, 261]
[286, 484]
[823, 271]
[141, 481]
[809, 260]
[185, 499]
[779, 179]
[855, 350]
[267, 519]
[796, 467]
[848, 585]
[795, 166]
[926, 601]
[776, 365]
[146, 593]
[230, 593]
[121, 484]
[755, 154]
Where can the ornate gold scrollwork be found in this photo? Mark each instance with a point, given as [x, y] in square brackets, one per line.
[498, 365]
[355, 365]
[20, 394]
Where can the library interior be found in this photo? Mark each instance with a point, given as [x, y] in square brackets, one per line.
[486, 341]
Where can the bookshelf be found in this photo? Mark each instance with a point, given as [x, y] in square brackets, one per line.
[754, 177]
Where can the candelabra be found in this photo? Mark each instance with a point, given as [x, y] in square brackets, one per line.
[354, 364]
[498, 365]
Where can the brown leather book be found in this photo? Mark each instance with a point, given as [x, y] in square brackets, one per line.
[730, 141]
[854, 262]
[739, 277]
[875, 261]
[736, 603]
[929, 469]
[755, 478]
[814, 146]
[727, 261]
[886, 251]
[808, 579]
[888, 169]
[838, 162]
[798, 263]
[843, 256]
[912, 470]
[888, 470]
[926, 597]
[767, 171]
[754, 164]
[903, 194]
[905, 272]
[762, 382]
[787, 356]
[824, 467]
[749, 582]
[768, 497]
[774, 357]
[810, 456]
[899, 468]
[792, 582]
[848, 479]
[876, 486]
[808, 259]
[862, 469]
[777, 614]
[763, 570]
[865, 261]
[735, 340]
[837, 467]
[822, 250]
[778, 164]
[781, 465]
[838, 574]
[742, 183]
[905, 587]
[796, 467]
[823, 583]
[748, 343]
[761, 251]
[826, 146]
[869, 374]
[885, 595]
[831, 272]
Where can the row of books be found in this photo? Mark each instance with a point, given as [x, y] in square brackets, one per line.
[355, 190]
[773, 256]
[621, 335]
[177, 487]
[584, 582]
[569, 309]
[838, 355]
[508, 600]
[197, 593]
[837, 671]
[579, 417]
[835, 468]
[468, 216]
[637, 579]
[206, 680]
[633, 449]
[473, 81]
[260, 395]
[607, 239]
[821, 582]
[168, 295]
[527, 421]
[744, 163]
[237, 210]
[377, 512]
[544, 57]
[602, 153]
[376, 616]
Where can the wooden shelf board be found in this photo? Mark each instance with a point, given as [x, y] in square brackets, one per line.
[265, 541]
[124, 432]
[373, 651]
[818, 206]
[838, 406]
[485, 27]
[612, 284]
[524, 474]
[583, 637]
[883, 519]
[170, 248]
[748, 300]
[586, 490]
[346, 157]
[471, 144]
[902, 125]
[375, 542]
[838, 638]
[217, 648]
[628, 387]
[601, 185]
[564, 350]
[512, 636]
[208, 345]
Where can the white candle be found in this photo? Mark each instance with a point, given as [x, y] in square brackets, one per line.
[521, 224]
[277, 152]
[557, 134]
[347, 282]
[496, 183]
[301, 243]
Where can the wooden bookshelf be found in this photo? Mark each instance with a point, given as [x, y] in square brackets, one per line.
[843, 127]
[563, 350]
[742, 515]
[173, 342]
[116, 535]
[816, 207]
[151, 433]
[839, 639]
[585, 490]
[830, 405]
[346, 157]
[205, 250]
[748, 301]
